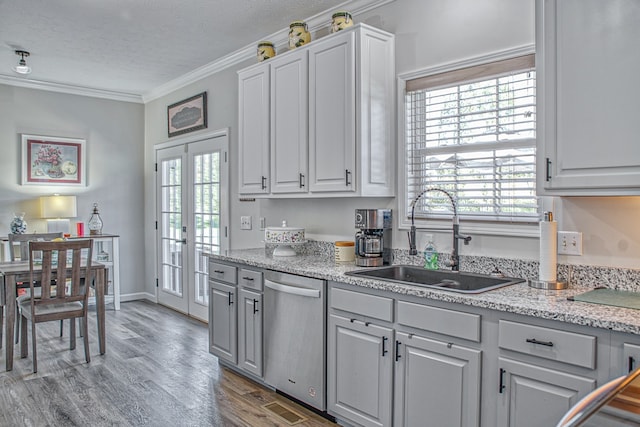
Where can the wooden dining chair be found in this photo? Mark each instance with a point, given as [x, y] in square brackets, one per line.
[23, 241]
[67, 299]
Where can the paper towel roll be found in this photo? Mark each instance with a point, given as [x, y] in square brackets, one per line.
[548, 251]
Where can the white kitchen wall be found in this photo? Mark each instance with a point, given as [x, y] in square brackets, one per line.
[114, 142]
[428, 33]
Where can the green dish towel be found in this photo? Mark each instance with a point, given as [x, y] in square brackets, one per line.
[611, 297]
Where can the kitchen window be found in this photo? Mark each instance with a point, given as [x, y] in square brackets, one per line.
[471, 130]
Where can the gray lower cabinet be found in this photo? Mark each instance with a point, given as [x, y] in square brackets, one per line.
[436, 383]
[250, 331]
[222, 321]
[360, 366]
[533, 396]
[235, 316]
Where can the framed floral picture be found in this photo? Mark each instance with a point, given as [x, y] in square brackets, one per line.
[48, 160]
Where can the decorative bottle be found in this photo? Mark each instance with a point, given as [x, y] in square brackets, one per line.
[340, 20]
[18, 224]
[430, 254]
[95, 222]
[266, 50]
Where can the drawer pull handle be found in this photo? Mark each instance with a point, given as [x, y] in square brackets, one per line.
[398, 344]
[248, 278]
[535, 341]
[218, 271]
[632, 362]
[502, 386]
[384, 346]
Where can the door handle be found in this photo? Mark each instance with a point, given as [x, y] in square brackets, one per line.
[384, 346]
[264, 182]
[535, 341]
[301, 180]
[183, 241]
[347, 175]
[502, 386]
[294, 290]
[398, 343]
[255, 306]
[230, 298]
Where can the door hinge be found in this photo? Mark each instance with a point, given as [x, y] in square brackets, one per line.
[157, 281]
[156, 225]
[225, 157]
[226, 234]
[156, 167]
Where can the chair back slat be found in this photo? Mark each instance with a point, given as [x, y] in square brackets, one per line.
[66, 278]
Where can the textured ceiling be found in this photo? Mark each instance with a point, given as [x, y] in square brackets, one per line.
[134, 46]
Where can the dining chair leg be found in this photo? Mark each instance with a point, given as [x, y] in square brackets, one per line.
[35, 352]
[72, 334]
[24, 341]
[18, 319]
[86, 339]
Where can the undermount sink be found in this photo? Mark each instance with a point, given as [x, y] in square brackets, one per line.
[455, 281]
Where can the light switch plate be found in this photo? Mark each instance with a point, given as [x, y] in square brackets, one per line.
[245, 223]
[569, 243]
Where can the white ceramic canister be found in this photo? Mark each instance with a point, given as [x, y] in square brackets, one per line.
[298, 34]
[340, 20]
[266, 50]
[344, 251]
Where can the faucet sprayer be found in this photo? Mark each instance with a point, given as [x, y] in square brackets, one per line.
[454, 261]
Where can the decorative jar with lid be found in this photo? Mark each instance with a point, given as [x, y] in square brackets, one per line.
[18, 224]
[298, 34]
[340, 20]
[265, 51]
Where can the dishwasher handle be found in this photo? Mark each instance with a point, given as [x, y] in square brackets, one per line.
[294, 290]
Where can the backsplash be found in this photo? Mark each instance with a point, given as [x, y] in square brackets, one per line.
[623, 279]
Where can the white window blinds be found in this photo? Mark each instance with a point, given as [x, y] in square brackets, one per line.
[472, 132]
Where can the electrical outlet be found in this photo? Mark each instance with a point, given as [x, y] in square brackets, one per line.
[245, 223]
[263, 223]
[569, 243]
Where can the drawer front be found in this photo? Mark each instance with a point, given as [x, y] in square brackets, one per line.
[566, 347]
[250, 279]
[364, 304]
[223, 272]
[440, 320]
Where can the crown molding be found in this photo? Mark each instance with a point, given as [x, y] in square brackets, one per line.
[70, 89]
[279, 39]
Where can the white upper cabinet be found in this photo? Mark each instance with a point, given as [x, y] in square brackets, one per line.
[588, 63]
[332, 128]
[289, 129]
[332, 118]
[253, 129]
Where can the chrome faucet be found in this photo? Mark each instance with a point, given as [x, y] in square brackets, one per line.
[454, 261]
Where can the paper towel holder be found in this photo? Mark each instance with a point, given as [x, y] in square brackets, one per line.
[555, 285]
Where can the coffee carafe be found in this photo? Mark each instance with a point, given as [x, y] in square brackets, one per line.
[373, 241]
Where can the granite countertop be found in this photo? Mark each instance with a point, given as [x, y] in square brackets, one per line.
[518, 298]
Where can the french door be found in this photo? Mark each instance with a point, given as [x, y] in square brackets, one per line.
[192, 214]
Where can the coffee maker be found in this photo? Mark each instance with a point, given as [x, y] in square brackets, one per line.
[373, 241]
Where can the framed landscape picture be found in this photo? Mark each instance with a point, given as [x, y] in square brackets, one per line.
[187, 115]
[49, 160]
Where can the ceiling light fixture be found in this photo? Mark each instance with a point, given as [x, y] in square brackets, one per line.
[22, 67]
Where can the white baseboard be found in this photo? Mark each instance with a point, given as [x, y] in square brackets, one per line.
[138, 296]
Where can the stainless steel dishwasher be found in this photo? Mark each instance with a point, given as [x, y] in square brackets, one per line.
[295, 336]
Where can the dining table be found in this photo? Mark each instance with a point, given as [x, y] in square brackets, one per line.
[16, 272]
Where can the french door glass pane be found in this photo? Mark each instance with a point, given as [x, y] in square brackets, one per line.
[171, 233]
[206, 218]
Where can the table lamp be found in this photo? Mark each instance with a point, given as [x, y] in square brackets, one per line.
[57, 210]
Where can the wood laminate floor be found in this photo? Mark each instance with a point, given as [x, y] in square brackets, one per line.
[157, 372]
